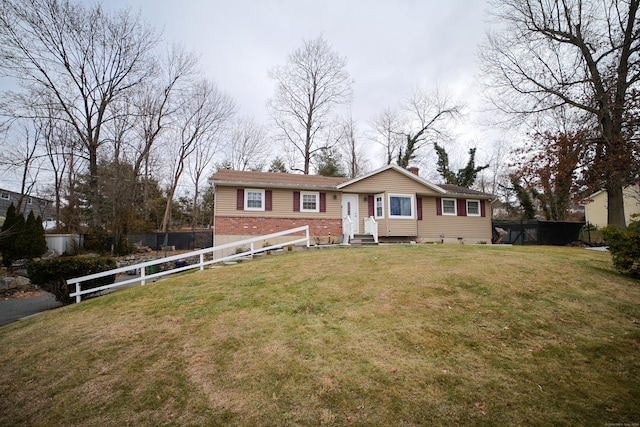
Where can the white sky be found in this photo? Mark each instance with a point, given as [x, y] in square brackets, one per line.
[391, 46]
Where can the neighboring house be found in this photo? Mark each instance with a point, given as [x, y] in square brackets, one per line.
[397, 203]
[596, 206]
[39, 206]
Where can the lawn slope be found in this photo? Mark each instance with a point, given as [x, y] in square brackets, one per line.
[394, 335]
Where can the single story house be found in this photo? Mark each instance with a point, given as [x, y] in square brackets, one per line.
[596, 206]
[392, 202]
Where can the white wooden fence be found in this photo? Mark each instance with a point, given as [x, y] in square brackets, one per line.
[142, 267]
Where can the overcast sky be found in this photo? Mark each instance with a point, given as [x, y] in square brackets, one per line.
[391, 46]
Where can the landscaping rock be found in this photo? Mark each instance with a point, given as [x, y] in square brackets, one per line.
[12, 282]
[19, 281]
[50, 254]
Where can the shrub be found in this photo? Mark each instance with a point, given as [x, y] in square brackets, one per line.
[30, 243]
[96, 239]
[624, 246]
[52, 275]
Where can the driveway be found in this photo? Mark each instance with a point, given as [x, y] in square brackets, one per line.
[17, 308]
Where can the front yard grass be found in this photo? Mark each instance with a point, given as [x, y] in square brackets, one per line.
[394, 335]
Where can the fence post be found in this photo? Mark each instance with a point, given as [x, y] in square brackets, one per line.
[78, 296]
[201, 262]
[142, 274]
[251, 250]
[308, 240]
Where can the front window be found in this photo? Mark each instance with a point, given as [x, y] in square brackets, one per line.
[473, 207]
[4, 195]
[254, 200]
[310, 202]
[379, 206]
[449, 207]
[400, 206]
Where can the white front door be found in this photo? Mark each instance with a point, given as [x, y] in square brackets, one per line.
[350, 212]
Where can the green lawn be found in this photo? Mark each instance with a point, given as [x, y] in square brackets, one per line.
[386, 336]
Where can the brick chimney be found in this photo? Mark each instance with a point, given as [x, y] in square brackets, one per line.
[414, 170]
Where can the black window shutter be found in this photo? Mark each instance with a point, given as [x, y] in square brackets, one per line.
[268, 200]
[483, 211]
[240, 200]
[323, 202]
[419, 208]
[371, 200]
[438, 206]
[296, 201]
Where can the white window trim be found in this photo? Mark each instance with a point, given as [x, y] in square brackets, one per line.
[5, 193]
[246, 199]
[375, 206]
[413, 206]
[455, 207]
[316, 194]
[479, 208]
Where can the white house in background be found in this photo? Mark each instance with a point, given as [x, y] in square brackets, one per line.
[596, 206]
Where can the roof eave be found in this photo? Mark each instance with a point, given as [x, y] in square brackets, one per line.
[271, 185]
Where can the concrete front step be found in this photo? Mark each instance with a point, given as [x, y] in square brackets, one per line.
[362, 240]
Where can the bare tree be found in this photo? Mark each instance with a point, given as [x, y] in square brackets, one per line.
[204, 110]
[387, 132]
[352, 150]
[59, 145]
[314, 81]
[21, 155]
[156, 101]
[429, 115]
[84, 58]
[248, 147]
[582, 54]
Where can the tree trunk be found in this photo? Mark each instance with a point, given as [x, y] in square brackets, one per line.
[615, 204]
[93, 185]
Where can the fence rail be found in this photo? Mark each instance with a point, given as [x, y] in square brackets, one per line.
[142, 267]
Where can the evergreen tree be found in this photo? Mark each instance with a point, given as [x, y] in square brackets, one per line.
[11, 229]
[277, 165]
[328, 163]
[30, 243]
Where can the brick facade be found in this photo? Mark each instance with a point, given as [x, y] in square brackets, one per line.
[258, 226]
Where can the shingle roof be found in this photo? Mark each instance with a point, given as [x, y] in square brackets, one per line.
[230, 177]
[455, 189]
